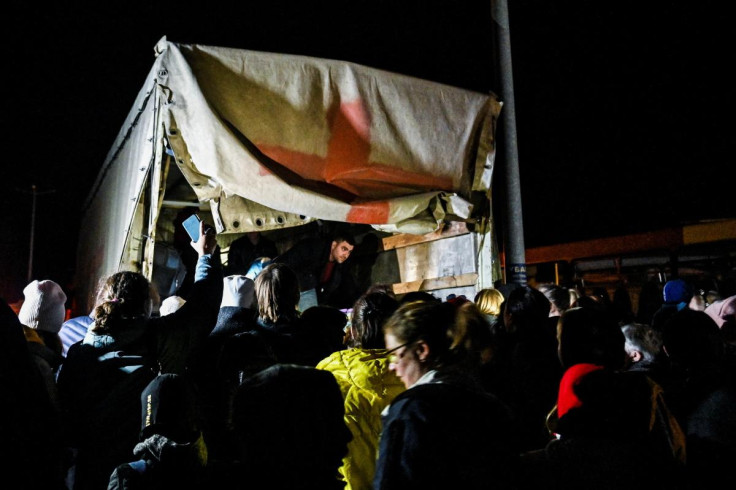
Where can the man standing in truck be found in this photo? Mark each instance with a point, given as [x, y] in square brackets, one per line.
[320, 266]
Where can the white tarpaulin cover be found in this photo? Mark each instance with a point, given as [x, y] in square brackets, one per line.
[310, 137]
[322, 138]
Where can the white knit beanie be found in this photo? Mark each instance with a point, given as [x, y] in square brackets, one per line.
[238, 291]
[43, 308]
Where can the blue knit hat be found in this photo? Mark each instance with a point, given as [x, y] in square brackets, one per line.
[677, 291]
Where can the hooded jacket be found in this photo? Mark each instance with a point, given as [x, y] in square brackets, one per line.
[368, 387]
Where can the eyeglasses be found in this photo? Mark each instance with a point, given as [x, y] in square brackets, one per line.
[393, 357]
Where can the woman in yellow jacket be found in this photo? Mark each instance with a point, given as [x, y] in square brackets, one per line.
[367, 385]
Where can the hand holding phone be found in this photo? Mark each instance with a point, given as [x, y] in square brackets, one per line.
[191, 224]
[194, 226]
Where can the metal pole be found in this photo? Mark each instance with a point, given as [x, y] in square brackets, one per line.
[33, 228]
[515, 251]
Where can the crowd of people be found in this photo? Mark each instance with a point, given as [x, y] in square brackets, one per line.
[254, 380]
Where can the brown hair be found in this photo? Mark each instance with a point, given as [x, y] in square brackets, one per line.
[344, 236]
[454, 334]
[370, 312]
[277, 293]
[123, 296]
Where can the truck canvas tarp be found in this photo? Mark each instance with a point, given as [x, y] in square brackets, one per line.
[273, 141]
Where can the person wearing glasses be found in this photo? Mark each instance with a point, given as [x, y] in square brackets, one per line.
[444, 431]
[367, 385]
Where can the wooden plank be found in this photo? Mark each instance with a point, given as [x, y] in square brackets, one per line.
[709, 232]
[446, 230]
[670, 239]
[468, 291]
[440, 258]
[436, 283]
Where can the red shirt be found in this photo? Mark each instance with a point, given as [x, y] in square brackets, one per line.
[327, 273]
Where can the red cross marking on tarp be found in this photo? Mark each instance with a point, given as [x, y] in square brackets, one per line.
[347, 165]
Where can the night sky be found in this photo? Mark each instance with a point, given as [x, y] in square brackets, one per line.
[622, 109]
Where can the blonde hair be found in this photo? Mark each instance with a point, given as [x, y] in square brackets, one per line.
[489, 301]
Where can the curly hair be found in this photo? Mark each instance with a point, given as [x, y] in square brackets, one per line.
[122, 297]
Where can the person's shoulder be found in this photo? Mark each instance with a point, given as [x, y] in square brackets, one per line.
[77, 321]
[303, 247]
[364, 361]
[82, 361]
[266, 242]
[333, 362]
[370, 372]
[426, 402]
[449, 394]
[80, 349]
[128, 475]
[44, 354]
[241, 240]
[233, 319]
[419, 395]
[311, 242]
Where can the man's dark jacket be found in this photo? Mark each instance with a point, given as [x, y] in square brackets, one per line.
[308, 258]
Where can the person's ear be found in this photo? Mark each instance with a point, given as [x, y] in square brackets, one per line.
[422, 351]
[635, 356]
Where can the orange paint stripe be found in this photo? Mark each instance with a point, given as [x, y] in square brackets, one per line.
[379, 176]
[307, 166]
[369, 213]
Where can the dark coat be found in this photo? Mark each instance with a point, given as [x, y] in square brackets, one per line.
[180, 336]
[232, 320]
[101, 380]
[101, 408]
[663, 315]
[242, 253]
[711, 437]
[444, 435]
[308, 258]
[240, 347]
[29, 425]
[258, 346]
[620, 436]
[525, 373]
[47, 360]
[172, 452]
[290, 429]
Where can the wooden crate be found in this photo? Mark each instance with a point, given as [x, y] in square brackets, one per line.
[442, 263]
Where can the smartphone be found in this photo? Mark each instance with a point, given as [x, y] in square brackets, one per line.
[191, 224]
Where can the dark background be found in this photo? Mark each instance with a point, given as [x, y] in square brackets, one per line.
[623, 109]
